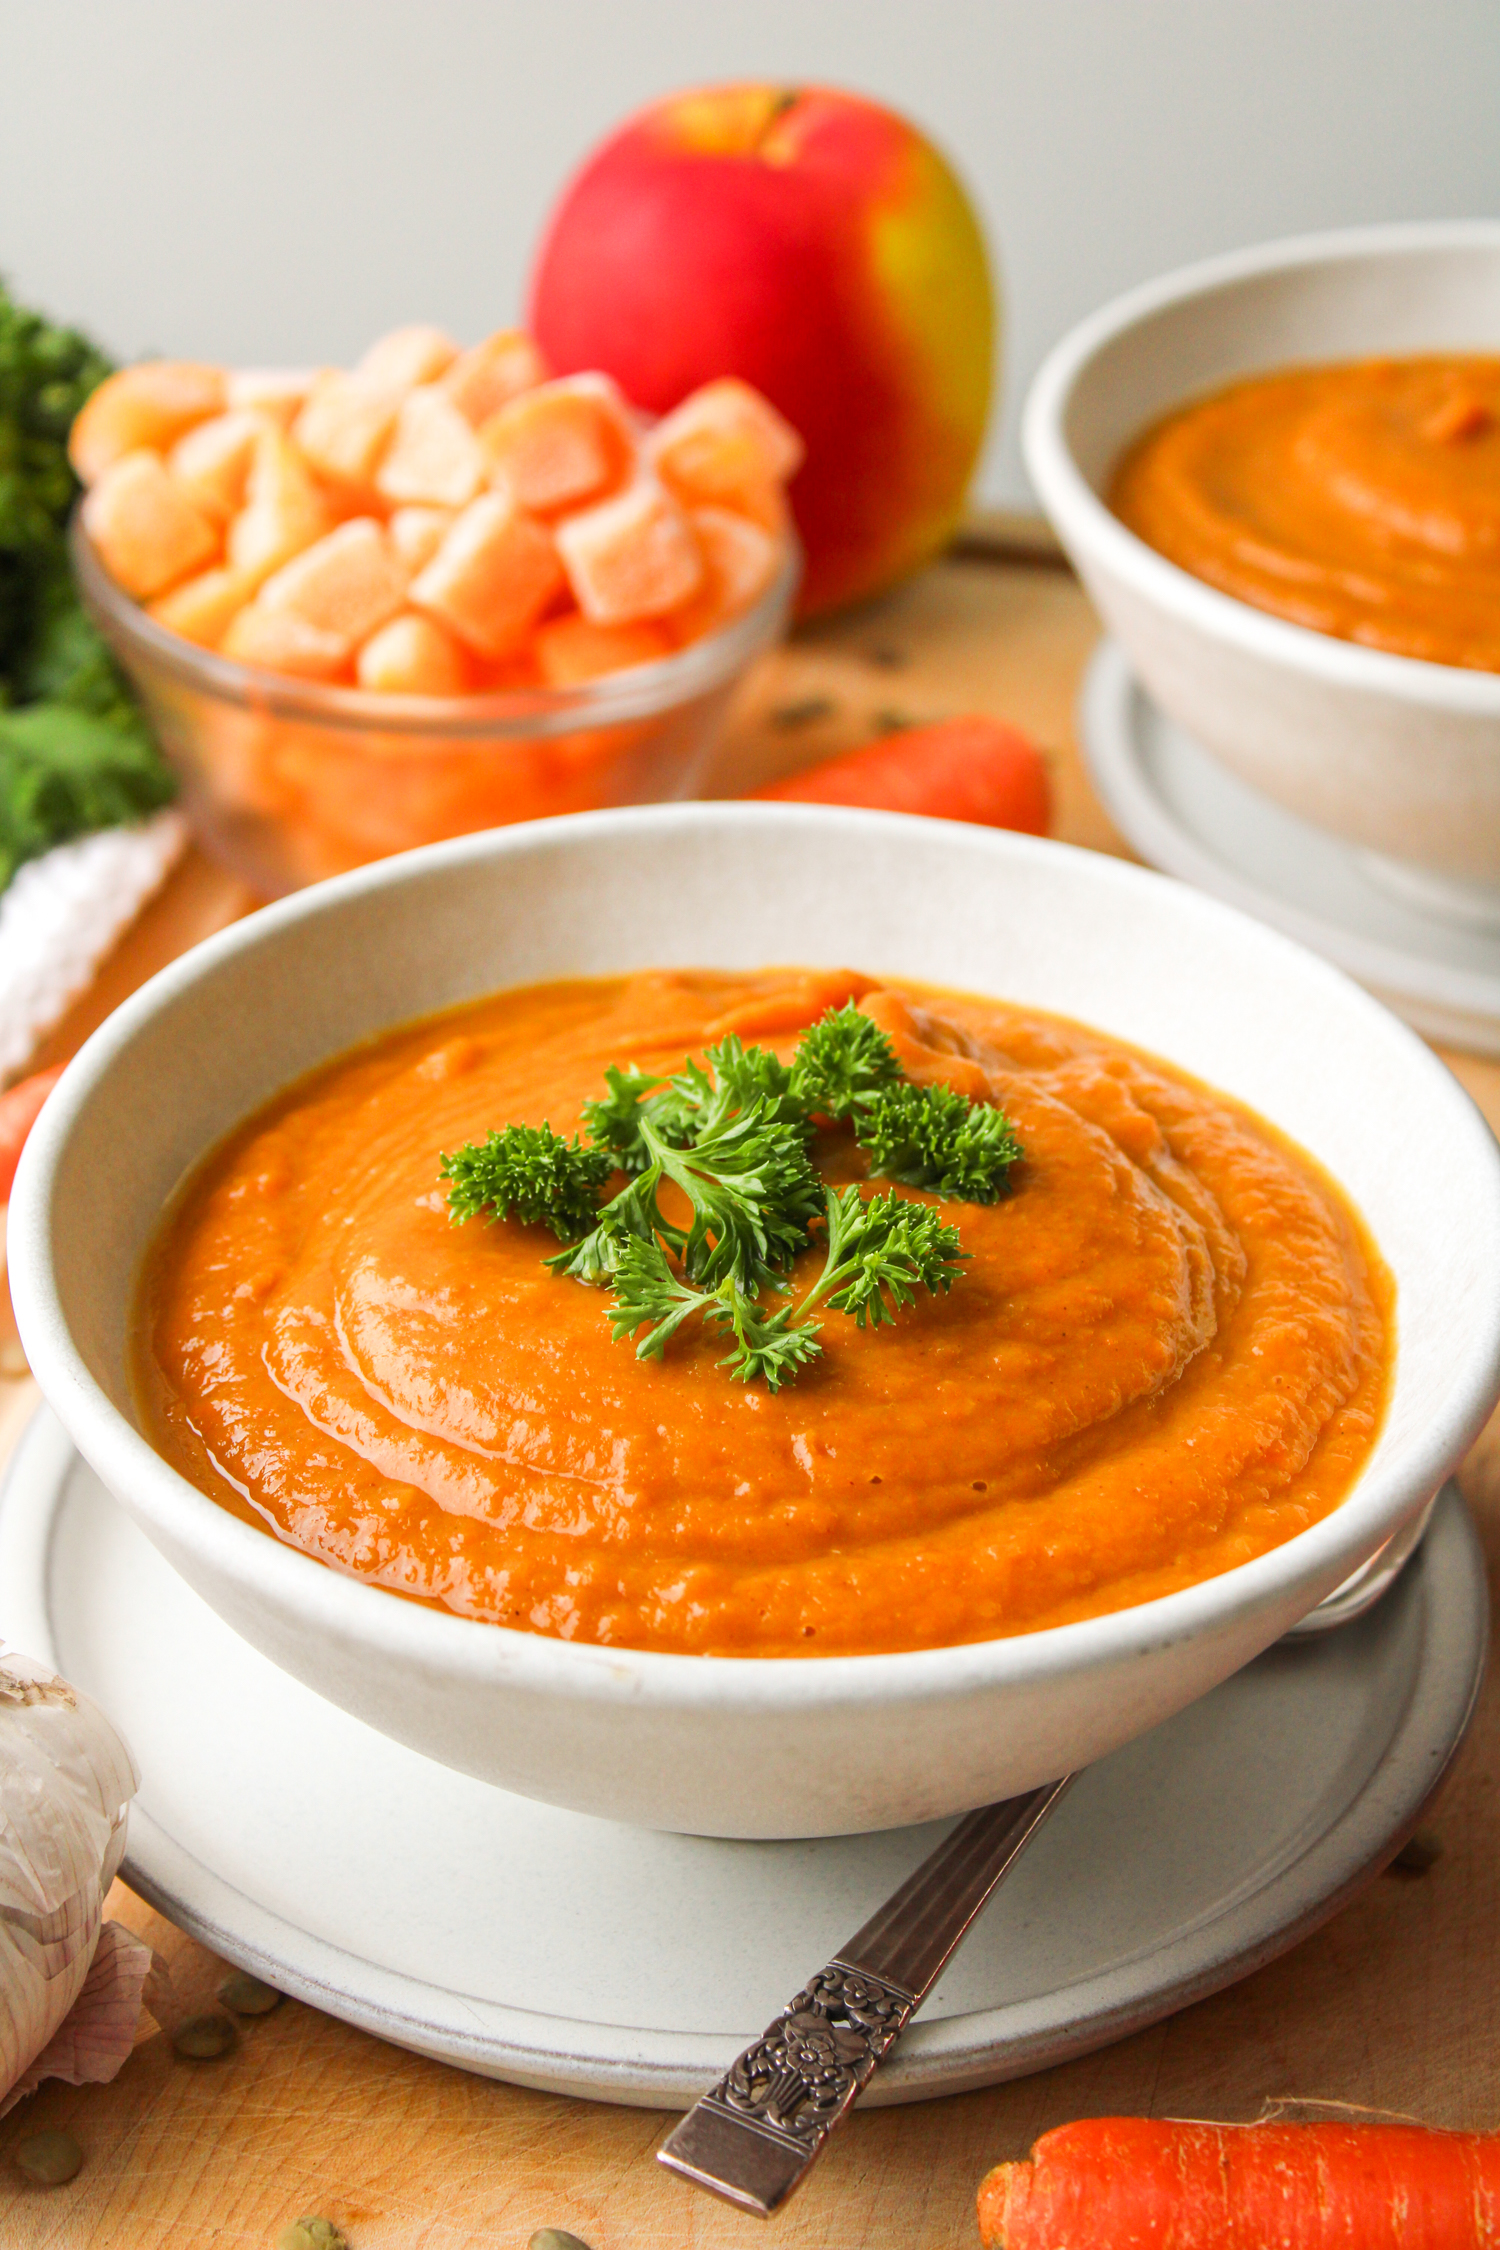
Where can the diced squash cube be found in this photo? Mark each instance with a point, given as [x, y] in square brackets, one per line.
[236, 750]
[633, 556]
[488, 375]
[278, 640]
[417, 533]
[284, 511]
[561, 445]
[148, 529]
[428, 792]
[740, 559]
[346, 584]
[346, 426]
[492, 577]
[572, 649]
[434, 457]
[149, 405]
[503, 675]
[596, 766]
[726, 446]
[213, 461]
[414, 655]
[406, 357]
[766, 505]
[203, 608]
[280, 393]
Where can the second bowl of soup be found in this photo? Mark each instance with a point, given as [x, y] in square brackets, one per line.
[1276, 473]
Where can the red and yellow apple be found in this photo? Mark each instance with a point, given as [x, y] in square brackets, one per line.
[816, 245]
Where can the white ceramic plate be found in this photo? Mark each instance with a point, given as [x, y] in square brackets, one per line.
[1187, 814]
[586, 1958]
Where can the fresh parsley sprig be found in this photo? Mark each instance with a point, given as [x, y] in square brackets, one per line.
[881, 1250]
[753, 1191]
[691, 1104]
[75, 751]
[842, 1063]
[532, 1171]
[733, 1136]
[615, 1123]
[650, 1294]
[750, 1187]
[930, 1137]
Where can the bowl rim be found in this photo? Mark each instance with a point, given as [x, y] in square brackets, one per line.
[1092, 529]
[639, 691]
[440, 1644]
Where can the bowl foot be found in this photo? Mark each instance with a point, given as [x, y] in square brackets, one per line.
[1475, 905]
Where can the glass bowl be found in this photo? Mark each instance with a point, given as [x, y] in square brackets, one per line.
[286, 781]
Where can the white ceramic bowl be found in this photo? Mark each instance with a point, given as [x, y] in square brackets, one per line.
[1399, 757]
[752, 1747]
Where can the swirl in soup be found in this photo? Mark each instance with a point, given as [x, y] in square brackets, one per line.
[1361, 499]
[1167, 1353]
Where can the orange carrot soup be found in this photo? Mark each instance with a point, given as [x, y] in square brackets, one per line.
[1132, 1338]
[1362, 500]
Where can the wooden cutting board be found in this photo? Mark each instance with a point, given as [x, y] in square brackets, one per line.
[1395, 2004]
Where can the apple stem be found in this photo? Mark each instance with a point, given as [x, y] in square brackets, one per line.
[787, 99]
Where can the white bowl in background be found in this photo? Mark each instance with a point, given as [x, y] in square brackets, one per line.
[746, 1746]
[1398, 756]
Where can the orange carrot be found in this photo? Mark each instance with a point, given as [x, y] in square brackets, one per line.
[975, 769]
[1136, 2183]
[18, 1113]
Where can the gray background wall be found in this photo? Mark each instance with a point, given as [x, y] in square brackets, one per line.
[278, 180]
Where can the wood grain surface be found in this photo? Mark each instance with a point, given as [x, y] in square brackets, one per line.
[1394, 2004]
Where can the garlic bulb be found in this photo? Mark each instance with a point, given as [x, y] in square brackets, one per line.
[66, 1779]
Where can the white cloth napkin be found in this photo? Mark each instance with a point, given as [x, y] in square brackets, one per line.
[62, 914]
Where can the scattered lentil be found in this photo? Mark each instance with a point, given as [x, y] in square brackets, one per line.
[1419, 1852]
[891, 722]
[201, 2038]
[803, 712]
[311, 2233]
[555, 2238]
[248, 1996]
[50, 2158]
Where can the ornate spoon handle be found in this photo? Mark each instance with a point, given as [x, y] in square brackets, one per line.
[755, 2137]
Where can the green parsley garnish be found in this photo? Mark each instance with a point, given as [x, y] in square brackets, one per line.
[75, 751]
[881, 1251]
[532, 1171]
[649, 1292]
[692, 1104]
[734, 1138]
[751, 1186]
[930, 1137]
[842, 1064]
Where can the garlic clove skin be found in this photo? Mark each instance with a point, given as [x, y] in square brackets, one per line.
[66, 1779]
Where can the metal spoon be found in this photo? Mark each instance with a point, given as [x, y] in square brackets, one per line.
[755, 2136]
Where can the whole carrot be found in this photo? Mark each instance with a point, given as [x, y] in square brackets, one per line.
[975, 769]
[19, 1105]
[1136, 2183]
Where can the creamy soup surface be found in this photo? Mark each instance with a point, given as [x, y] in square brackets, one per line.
[1167, 1353]
[1361, 499]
